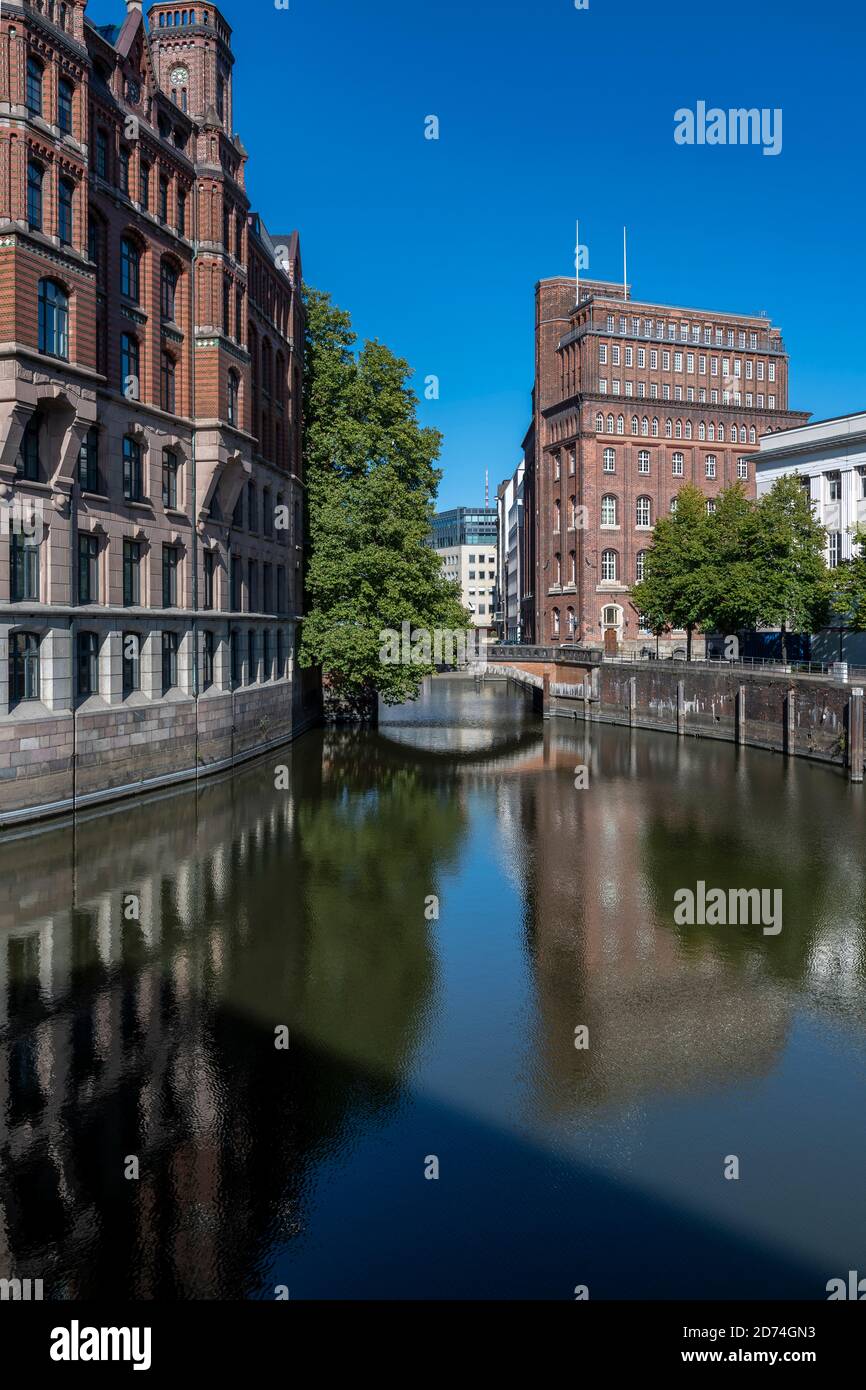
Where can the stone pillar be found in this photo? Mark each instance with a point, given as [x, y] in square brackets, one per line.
[186, 657]
[855, 734]
[681, 707]
[5, 629]
[151, 665]
[55, 668]
[790, 720]
[222, 661]
[111, 667]
[741, 715]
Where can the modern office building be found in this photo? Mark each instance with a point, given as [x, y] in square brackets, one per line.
[150, 397]
[466, 539]
[632, 400]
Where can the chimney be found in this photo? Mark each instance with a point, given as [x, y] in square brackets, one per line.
[133, 5]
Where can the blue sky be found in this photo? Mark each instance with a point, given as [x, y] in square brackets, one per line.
[548, 113]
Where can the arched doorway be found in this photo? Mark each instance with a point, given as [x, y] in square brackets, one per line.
[611, 626]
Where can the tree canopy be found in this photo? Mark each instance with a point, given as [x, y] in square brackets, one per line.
[746, 564]
[371, 483]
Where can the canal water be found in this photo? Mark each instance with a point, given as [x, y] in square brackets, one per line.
[431, 916]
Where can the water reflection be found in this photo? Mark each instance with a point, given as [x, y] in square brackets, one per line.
[148, 953]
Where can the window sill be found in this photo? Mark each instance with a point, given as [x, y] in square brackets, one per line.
[142, 505]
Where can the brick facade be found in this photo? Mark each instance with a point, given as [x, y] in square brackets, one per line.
[632, 400]
[151, 335]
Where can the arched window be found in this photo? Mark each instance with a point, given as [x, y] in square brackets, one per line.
[599, 423]
[556, 514]
[570, 622]
[643, 511]
[554, 618]
[721, 434]
[711, 432]
[644, 426]
[620, 425]
[130, 265]
[673, 504]
[742, 434]
[610, 424]
[609, 565]
[634, 424]
[34, 86]
[233, 384]
[557, 568]
[711, 505]
[655, 429]
[572, 566]
[53, 319]
[669, 429]
[688, 429]
[611, 614]
[23, 667]
[640, 566]
[572, 513]
[702, 430]
[608, 510]
[752, 435]
[678, 430]
[35, 175]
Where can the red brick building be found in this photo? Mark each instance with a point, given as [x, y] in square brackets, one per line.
[151, 338]
[632, 400]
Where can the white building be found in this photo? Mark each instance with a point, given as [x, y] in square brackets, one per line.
[509, 509]
[830, 458]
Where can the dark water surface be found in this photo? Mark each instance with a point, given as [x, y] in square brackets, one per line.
[452, 1038]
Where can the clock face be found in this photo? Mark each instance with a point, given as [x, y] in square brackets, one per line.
[179, 76]
[133, 91]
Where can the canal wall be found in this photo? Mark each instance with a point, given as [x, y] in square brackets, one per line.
[800, 716]
[55, 763]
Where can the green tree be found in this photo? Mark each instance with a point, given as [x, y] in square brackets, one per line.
[788, 559]
[849, 584]
[371, 481]
[675, 590]
[734, 595]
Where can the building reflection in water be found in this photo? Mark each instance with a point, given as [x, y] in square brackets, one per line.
[150, 1031]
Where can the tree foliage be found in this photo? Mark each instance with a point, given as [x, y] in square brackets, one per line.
[747, 564]
[371, 481]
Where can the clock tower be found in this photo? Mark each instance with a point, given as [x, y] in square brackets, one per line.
[192, 54]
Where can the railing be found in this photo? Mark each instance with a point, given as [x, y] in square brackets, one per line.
[715, 663]
[519, 652]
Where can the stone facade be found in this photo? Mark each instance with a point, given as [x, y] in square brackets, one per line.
[632, 400]
[151, 483]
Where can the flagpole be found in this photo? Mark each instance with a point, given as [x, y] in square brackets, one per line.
[577, 262]
[624, 268]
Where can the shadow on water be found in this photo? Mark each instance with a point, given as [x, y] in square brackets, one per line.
[147, 959]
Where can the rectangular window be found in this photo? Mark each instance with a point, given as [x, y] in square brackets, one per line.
[835, 540]
[24, 568]
[132, 471]
[209, 572]
[88, 461]
[123, 178]
[252, 586]
[101, 159]
[65, 194]
[266, 654]
[163, 198]
[181, 213]
[235, 655]
[169, 661]
[834, 487]
[207, 660]
[169, 478]
[267, 588]
[235, 583]
[88, 569]
[131, 573]
[167, 380]
[87, 663]
[252, 665]
[144, 185]
[131, 662]
[170, 562]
